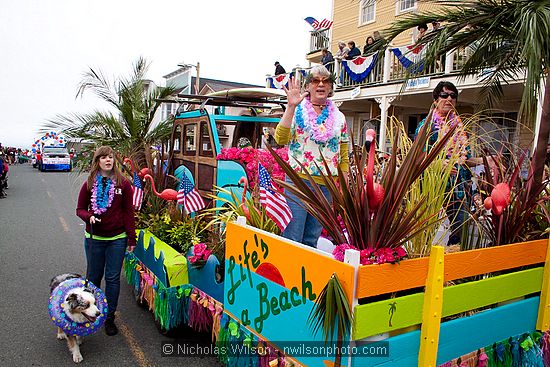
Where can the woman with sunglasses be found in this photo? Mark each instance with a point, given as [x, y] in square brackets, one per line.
[445, 96]
[313, 126]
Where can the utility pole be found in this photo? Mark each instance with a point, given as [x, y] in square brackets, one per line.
[197, 80]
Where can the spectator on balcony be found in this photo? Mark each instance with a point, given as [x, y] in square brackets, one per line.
[435, 25]
[342, 52]
[327, 60]
[369, 43]
[312, 125]
[279, 69]
[378, 39]
[422, 29]
[353, 51]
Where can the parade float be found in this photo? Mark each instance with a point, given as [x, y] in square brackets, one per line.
[381, 298]
[51, 154]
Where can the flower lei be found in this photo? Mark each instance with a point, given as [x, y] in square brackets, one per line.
[460, 138]
[320, 127]
[102, 197]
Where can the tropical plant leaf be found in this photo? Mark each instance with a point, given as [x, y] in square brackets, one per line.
[332, 312]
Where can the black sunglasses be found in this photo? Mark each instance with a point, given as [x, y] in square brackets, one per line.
[446, 95]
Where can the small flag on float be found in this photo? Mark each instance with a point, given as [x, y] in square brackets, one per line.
[137, 197]
[274, 202]
[188, 196]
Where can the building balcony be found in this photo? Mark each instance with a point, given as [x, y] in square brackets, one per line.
[388, 70]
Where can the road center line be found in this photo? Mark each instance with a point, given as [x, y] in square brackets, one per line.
[64, 224]
[49, 195]
[138, 353]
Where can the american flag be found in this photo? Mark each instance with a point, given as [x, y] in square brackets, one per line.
[137, 198]
[275, 203]
[188, 196]
[324, 24]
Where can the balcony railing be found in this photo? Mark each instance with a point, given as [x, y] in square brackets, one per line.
[319, 40]
[389, 69]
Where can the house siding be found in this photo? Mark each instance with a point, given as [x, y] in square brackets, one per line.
[346, 22]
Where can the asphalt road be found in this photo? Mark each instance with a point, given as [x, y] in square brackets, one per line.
[40, 237]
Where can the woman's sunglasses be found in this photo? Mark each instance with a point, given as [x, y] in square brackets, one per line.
[446, 95]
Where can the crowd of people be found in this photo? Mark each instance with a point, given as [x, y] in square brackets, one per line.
[8, 157]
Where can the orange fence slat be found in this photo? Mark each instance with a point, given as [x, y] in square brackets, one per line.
[380, 279]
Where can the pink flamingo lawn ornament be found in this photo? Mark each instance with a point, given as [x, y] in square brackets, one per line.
[375, 191]
[499, 199]
[141, 173]
[166, 194]
[243, 181]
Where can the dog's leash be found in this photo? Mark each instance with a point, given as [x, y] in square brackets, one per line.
[90, 243]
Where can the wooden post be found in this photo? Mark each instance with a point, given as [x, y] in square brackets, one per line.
[433, 305]
[543, 319]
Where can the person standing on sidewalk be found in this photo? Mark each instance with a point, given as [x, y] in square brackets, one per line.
[105, 205]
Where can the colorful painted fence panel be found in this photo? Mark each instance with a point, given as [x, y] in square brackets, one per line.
[511, 301]
[271, 285]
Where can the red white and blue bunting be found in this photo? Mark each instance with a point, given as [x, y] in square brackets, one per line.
[278, 81]
[410, 57]
[359, 68]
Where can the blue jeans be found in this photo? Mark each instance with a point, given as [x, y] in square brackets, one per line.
[303, 227]
[105, 257]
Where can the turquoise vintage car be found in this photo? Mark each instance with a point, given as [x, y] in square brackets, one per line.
[220, 121]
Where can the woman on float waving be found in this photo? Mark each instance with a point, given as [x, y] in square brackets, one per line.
[313, 125]
[105, 204]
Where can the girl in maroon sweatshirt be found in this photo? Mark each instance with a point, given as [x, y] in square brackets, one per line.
[105, 205]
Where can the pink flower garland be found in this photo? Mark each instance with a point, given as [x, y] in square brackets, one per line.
[250, 158]
[320, 128]
[95, 208]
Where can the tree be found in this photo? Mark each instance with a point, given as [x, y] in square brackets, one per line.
[508, 38]
[129, 128]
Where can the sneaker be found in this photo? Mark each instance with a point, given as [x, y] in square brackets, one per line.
[110, 327]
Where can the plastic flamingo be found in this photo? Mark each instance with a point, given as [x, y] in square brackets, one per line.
[166, 194]
[128, 160]
[141, 173]
[499, 199]
[244, 181]
[375, 191]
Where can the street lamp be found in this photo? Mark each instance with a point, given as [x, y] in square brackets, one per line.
[198, 67]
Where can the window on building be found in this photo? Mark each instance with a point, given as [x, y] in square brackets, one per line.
[368, 11]
[405, 5]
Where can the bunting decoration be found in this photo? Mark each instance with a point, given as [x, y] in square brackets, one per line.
[359, 68]
[278, 81]
[410, 57]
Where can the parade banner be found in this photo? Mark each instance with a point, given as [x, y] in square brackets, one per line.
[359, 68]
[410, 57]
[271, 285]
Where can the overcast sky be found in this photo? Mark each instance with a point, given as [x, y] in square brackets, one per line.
[46, 46]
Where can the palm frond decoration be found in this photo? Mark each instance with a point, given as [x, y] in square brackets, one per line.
[127, 123]
[332, 314]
